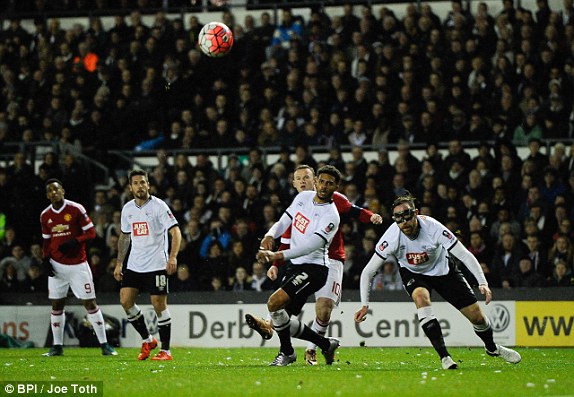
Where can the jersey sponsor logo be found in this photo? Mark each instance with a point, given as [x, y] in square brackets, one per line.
[140, 229]
[416, 258]
[68, 217]
[329, 228]
[383, 246]
[447, 234]
[301, 222]
[60, 228]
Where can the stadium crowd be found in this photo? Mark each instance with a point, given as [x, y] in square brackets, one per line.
[369, 81]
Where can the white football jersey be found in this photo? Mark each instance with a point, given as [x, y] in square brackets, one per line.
[148, 226]
[426, 254]
[308, 218]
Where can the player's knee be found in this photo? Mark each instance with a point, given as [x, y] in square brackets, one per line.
[58, 304]
[421, 297]
[478, 318]
[277, 301]
[90, 304]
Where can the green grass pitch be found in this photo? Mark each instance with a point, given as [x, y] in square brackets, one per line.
[357, 371]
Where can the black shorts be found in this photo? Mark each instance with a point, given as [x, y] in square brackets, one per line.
[452, 287]
[156, 283]
[300, 282]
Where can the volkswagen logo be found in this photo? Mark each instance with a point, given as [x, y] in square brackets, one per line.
[151, 321]
[499, 317]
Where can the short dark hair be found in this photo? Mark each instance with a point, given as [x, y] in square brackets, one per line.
[330, 170]
[407, 197]
[136, 173]
[54, 180]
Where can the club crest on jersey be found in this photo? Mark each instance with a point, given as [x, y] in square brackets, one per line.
[140, 229]
[416, 258]
[383, 246]
[447, 234]
[329, 228]
[68, 217]
[301, 222]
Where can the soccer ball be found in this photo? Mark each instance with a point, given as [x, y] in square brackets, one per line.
[215, 39]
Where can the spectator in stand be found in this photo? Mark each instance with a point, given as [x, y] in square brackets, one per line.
[561, 250]
[19, 261]
[289, 30]
[538, 254]
[259, 279]
[505, 262]
[9, 280]
[240, 282]
[35, 281]
[527, 276]
[183, 280]
[561, 276]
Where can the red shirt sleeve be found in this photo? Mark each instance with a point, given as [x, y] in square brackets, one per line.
[344, 206]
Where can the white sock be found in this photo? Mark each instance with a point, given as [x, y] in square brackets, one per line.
[96, 318]
[319, 328]
[164, 318]
[58, 322]
[133, 313]
[280, 319]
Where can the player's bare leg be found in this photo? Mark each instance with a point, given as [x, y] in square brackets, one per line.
[482, 328]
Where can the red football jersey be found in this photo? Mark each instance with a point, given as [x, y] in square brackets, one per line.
[337, 247]
[70, 221]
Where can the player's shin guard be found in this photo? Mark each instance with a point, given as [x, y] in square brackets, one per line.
[319, 327]
[58, 322]
[484, 332]
[164, 324]
[432, 330]
[96, 318]
[135, 317]
[302, 331]
[281, 324]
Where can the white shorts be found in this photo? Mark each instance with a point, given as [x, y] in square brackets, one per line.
[333, 288]
[78, 277]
